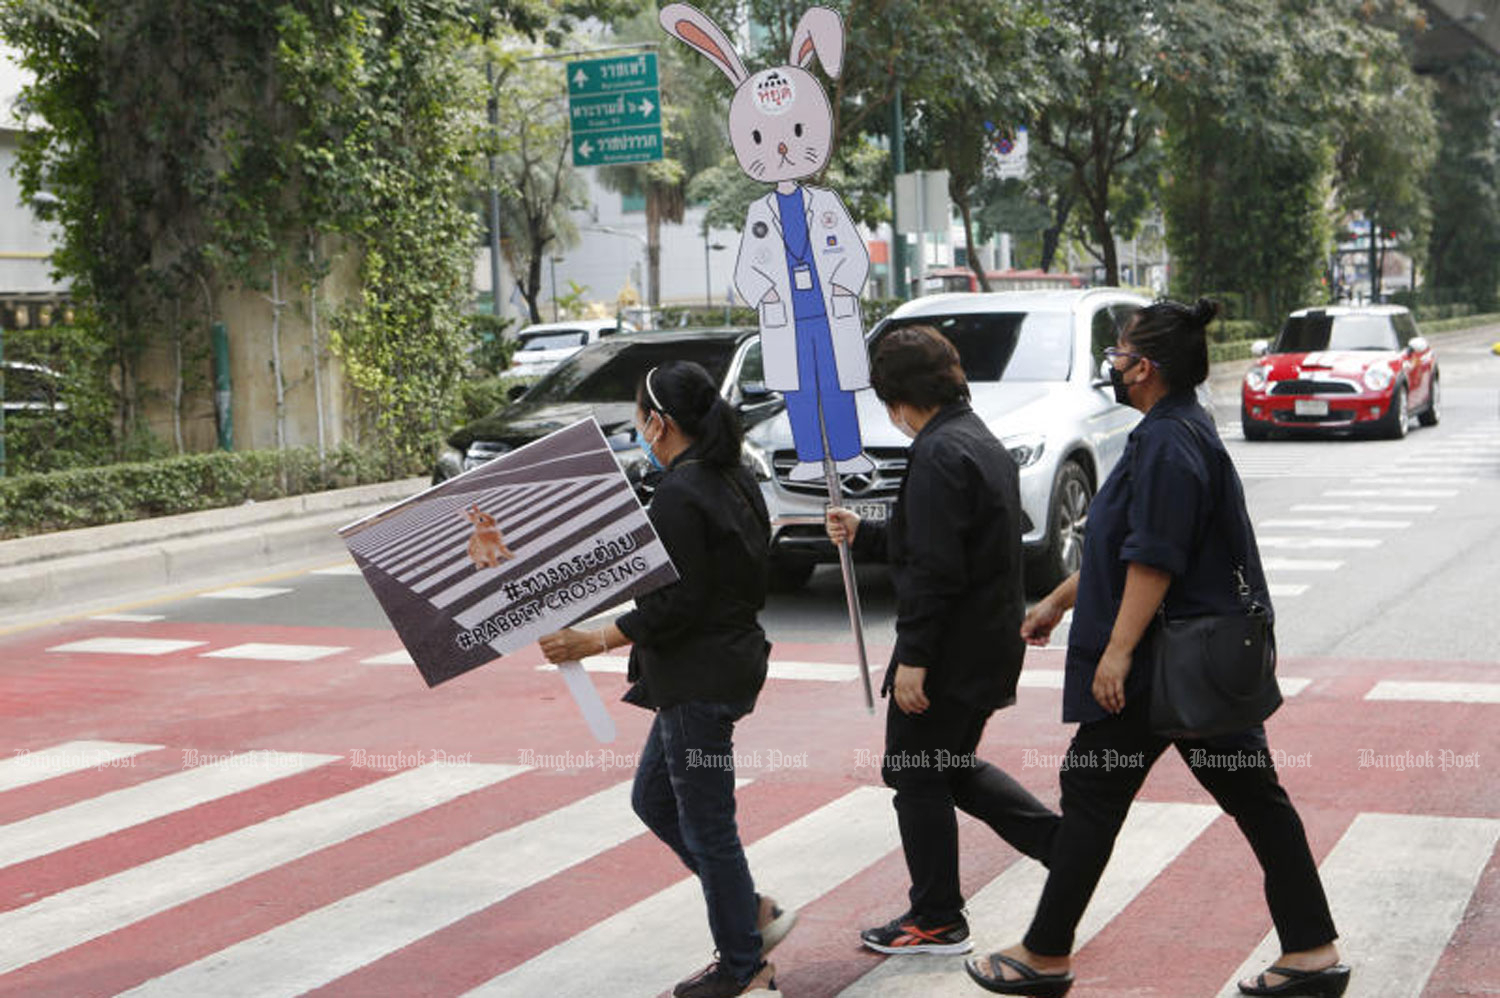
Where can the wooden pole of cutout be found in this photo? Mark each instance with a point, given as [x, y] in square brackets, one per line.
[846, 563]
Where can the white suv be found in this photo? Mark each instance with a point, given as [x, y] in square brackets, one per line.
[1033, 360]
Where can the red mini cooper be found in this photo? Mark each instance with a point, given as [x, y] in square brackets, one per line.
[1342, 368]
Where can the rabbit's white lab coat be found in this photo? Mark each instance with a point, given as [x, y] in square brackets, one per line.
[840, 257]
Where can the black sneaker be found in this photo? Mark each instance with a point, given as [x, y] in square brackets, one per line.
[912, 934]
[716, 982]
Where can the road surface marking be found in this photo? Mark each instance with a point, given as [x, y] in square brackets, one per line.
[349, 569]
[1300, 565]
[1361, 507]
[1287, 589]
[246, 592]
[1398, 885]
[129, 618]
[646, 946]
[1319, 542]
[69, 918]
[402, 657]
[266, 652]
[108, 813]
[1153, 836]
[828, 672]
[1437, 692]
[1391, 493]
[1335, 523]
[337, 939]
[127, 646]
[24, 768]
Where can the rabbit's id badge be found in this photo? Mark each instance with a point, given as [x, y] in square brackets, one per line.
[802, 278]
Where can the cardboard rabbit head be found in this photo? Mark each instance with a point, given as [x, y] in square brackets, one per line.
[780, 121]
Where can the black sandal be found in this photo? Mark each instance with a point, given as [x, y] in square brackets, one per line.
[1329, 982]
[1033, 982]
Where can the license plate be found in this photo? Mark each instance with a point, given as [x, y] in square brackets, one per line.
[875, 512]
[1310, 407]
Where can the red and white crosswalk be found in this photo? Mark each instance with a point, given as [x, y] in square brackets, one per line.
[176, 821]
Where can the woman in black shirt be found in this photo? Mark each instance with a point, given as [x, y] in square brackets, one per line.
[954, 546]
[1161, 534]
[698, 658]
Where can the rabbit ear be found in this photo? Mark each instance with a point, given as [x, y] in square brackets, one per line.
[820, 31]
[696, 29]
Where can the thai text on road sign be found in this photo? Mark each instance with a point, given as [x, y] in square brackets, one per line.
[614, 108]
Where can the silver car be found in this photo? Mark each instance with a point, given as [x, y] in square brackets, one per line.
[1033, 361]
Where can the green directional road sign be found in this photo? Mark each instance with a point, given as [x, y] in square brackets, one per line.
[614, 106]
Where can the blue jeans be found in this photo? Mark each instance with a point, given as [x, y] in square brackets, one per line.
[684, 792]
[818, 379]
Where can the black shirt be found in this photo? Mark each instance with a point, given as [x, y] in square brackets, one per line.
[1173, 502]
[954, 546]
[699, 639]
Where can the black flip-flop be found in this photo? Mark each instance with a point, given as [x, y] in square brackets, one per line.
[1033, 982]
[1329, 982]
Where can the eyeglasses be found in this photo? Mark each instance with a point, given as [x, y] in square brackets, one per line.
[1113, 352]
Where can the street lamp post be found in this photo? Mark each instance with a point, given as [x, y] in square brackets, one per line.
[610, 230]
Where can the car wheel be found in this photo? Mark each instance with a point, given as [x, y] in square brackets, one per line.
[1251, 427]
[790, 573]
[1432, 413]
[1394, 424]
[1067, 511]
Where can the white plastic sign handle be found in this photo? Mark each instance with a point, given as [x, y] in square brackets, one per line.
[587, 699]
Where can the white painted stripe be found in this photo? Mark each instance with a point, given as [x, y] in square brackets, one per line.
[1361, 507]
[1335, 523]
[1300, 565]
[1398, 885]
[1319, 542]
[1153, 836]
[1041, 679]
[349, 569]
[1291, 686]
[127, 646]
[129, 618]
[1436, 692]
[402, 657]
[23, 768]
[647, 946]
[1391, 493]
[267, 652]
[1286, 589]
[1412, 476]
[827, 672]
[319, 947]
[246, 592]
[71, 917]
[1445, 459]
[109, 813]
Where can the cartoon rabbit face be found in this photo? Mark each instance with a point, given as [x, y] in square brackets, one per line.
[781, 125]
[780, 121]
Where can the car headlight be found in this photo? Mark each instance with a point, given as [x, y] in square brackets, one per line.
[1255, 378]
[1378, 377]
[756, 459]
[1027, 450]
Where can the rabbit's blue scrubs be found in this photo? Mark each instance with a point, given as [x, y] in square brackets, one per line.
[817, 369]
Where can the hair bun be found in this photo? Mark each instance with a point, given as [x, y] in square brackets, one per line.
[1204, 311]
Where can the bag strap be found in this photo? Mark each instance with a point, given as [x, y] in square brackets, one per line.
[1239, 545]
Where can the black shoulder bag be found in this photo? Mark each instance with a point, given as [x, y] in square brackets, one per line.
[1216, 674]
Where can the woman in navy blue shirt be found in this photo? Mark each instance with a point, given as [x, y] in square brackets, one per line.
[1159, 537]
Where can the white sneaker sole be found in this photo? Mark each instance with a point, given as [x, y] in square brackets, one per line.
[941, 948]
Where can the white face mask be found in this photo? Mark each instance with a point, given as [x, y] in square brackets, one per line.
[899, 423]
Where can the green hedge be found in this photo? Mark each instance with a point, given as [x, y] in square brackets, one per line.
[1225, 353]
[86, 497]
[1458, 323]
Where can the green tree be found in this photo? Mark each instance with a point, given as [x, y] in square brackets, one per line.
[1463, 257]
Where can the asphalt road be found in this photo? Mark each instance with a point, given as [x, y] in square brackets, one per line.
[246, 791]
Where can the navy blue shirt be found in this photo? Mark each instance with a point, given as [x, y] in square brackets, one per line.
[807, 303]
[1173, 502]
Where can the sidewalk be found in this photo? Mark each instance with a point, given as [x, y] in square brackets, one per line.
[60, 573]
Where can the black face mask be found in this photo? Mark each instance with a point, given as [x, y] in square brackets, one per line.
[1117, 382]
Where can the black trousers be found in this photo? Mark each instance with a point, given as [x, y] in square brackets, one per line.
[1104, 769]
[930, 763]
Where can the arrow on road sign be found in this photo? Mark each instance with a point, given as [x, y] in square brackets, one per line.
[586, 149]
[647, 107]
[580, 79]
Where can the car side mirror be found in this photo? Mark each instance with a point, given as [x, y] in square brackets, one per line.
[1418, 344]
[755, 392]
[516, 391]
[1260, 348]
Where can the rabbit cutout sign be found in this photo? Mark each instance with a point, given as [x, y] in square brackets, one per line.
[802, 263]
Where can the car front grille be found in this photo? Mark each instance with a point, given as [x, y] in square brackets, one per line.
[882, 483]
[1305, 386]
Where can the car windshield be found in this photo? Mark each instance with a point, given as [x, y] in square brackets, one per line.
[559, 339]
[1306, 333]
[1018, 346]
[610, 371]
